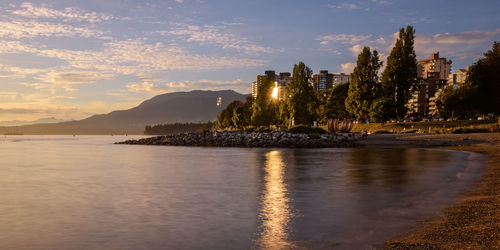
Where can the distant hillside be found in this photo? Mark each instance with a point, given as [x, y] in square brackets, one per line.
[21, 123]
[195, 106]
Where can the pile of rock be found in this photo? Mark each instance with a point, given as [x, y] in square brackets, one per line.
[248, 139]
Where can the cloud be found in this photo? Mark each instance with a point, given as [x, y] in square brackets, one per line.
[157, 88]
[348, 67]
[180, 1]
[463, 45]
[216, 35]
[72, 77]
[344, 6]
[16, 29]
[8, 95]
[133, 57]
[384, 2]
[68, 14]
[343, 38]
[468, 37]
[356, 49]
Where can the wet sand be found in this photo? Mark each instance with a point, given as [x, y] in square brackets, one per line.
[473, 222]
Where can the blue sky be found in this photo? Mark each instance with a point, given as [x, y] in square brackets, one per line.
[70, 59]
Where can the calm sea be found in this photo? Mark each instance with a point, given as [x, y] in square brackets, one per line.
[84, 192]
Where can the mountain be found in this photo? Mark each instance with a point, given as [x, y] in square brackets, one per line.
[20, 123]
[194, 106]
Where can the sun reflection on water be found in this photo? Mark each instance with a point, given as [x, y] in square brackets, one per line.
[275, 211]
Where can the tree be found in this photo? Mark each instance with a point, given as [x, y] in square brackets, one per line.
[364, 85]
[381, 109]
[242, 114]
[456, 101]
[263, 111]
[485, 76]
[333, 103]
[399, 77]
[300, 104]
[225, 118]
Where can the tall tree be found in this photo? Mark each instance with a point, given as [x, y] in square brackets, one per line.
[332, 103]
[300, 103]
[262, 108]
[399, 77]
[364, 84]
[485, 77]
[225, 118]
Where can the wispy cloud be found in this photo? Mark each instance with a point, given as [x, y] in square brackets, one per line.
[342, 38]
[155, 88]
[29, 10]
[216, 35]
[463, 45]
[468, 37]
[344, 6]
[30, 29]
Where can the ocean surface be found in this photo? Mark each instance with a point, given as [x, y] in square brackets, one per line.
[84, 192]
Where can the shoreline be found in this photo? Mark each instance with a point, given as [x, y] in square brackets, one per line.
[473, 221]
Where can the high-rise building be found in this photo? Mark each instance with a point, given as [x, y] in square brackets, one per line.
[432, 74]
[325, 80]
[459, 76]
[282, 80]
[340, 78]
[269, 75]
[435, 67]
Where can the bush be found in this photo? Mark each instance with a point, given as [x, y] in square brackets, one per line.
[465, 130]
[314, 136]
[263, 129]
[303, 129]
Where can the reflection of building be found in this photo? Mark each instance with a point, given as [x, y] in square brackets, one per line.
[275, 211]
[325, 80]
[432, 74]
[283, 79]
[459, 77]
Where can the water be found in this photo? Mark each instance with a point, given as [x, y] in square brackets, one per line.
[83, 192]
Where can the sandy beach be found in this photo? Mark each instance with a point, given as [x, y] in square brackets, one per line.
[473, 222]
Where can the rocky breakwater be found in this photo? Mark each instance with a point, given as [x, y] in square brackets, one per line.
[249, 139]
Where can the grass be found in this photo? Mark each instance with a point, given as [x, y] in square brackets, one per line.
[436, 127]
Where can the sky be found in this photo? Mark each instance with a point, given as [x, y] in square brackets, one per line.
[71, 59]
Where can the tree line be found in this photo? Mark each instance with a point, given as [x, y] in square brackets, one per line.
[480, 94]
[369, 96]
[176, 128]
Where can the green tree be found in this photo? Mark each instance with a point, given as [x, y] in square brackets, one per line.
[381, 109]
[225, 118]
[263, 110]
[456, 101]
[332, 103]
[300, 104]
[242, 114]
[364, 85]
[485, 76]
[399, 77]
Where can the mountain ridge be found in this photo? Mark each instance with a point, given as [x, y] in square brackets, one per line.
[192, 106]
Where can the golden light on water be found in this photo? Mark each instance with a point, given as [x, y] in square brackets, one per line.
[275, 212]
[275, 91]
